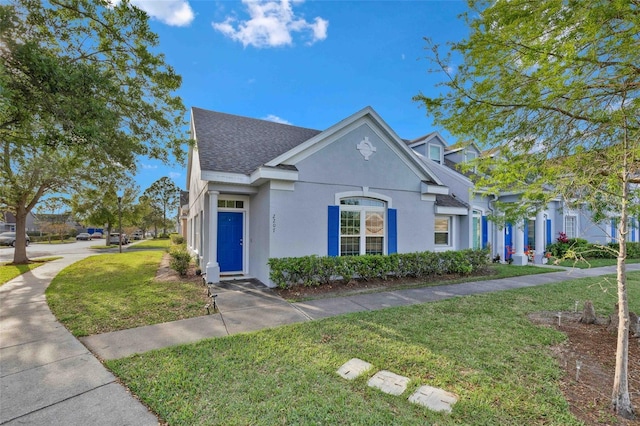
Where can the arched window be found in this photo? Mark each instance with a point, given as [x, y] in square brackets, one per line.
[362, 226]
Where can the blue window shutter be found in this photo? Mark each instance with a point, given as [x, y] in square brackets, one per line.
[333, 231]
[548, 231]
[392, 223]
[614, 234]
[526, 235]
[485, 232]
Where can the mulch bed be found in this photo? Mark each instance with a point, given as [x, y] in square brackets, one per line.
[589, 394]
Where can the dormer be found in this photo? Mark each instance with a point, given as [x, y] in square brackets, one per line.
[462, 152]
[431, 146]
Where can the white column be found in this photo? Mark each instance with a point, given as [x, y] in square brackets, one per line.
[539, 256]
[519, 258]
[213, 269]
[498, 241]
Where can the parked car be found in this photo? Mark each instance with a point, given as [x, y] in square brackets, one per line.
[84, 236]
[96, 235]
[9, 239]
[114, 238]
[138, 235]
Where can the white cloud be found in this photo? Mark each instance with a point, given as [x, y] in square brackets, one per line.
[272, 24]
[276, 119]
[177, 13]
[174, 175]
[148, 166]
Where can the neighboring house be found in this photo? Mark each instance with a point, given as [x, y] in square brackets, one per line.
[528, 238]
[8, 222]
[46, 221]
[259, 189]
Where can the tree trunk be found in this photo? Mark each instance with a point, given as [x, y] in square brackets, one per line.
[108, 236]
[621, 401]
[20, 251]
[164, 220]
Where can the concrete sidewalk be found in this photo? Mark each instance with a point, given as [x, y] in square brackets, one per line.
[47, 377]
[245, 306]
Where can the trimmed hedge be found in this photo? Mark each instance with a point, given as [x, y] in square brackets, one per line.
[577, 247]
[315, 270]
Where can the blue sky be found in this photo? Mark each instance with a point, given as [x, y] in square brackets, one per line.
[306, 63]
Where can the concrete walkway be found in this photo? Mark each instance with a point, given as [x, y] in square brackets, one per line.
[48, 377]
[244, 306]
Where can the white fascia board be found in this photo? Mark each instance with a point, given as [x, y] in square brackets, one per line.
[225, 177]
[458, 211]
[262, 174]
[426, 138]
[232, 189]
[426, 188]
[428, 197]
[190, 164]
[282, 185]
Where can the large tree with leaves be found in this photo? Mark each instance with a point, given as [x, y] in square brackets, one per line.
[83, 95]
[164, 194]
[553, 85]
[105, 205]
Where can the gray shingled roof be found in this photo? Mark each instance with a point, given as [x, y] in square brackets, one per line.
[235, 144]
[449, 201]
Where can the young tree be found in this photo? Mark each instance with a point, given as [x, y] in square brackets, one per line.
[554, 86]
[83, 96]
[164, 194]
[100, 206]
[53, 216]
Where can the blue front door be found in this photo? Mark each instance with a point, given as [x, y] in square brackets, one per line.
[508, 242]
[230, 241]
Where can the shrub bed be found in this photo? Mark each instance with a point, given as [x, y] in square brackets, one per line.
[577, 247]
[315, 270]
[180, 260]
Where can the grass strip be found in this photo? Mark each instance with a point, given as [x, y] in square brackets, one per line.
[9, 272]
[593, 263]
[157, 243]
[482, 348]
[118, 291]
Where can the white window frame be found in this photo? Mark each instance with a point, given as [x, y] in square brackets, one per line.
[435, 145]
[575, 225]
[476, 215]
[449, 243]
[363, 228]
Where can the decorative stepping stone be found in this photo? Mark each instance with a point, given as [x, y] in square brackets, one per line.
[354, 368]
[434, 398]
[389, 382]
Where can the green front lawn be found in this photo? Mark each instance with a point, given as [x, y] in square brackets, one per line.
[482, 348]
[117, 291]
[156, 243]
